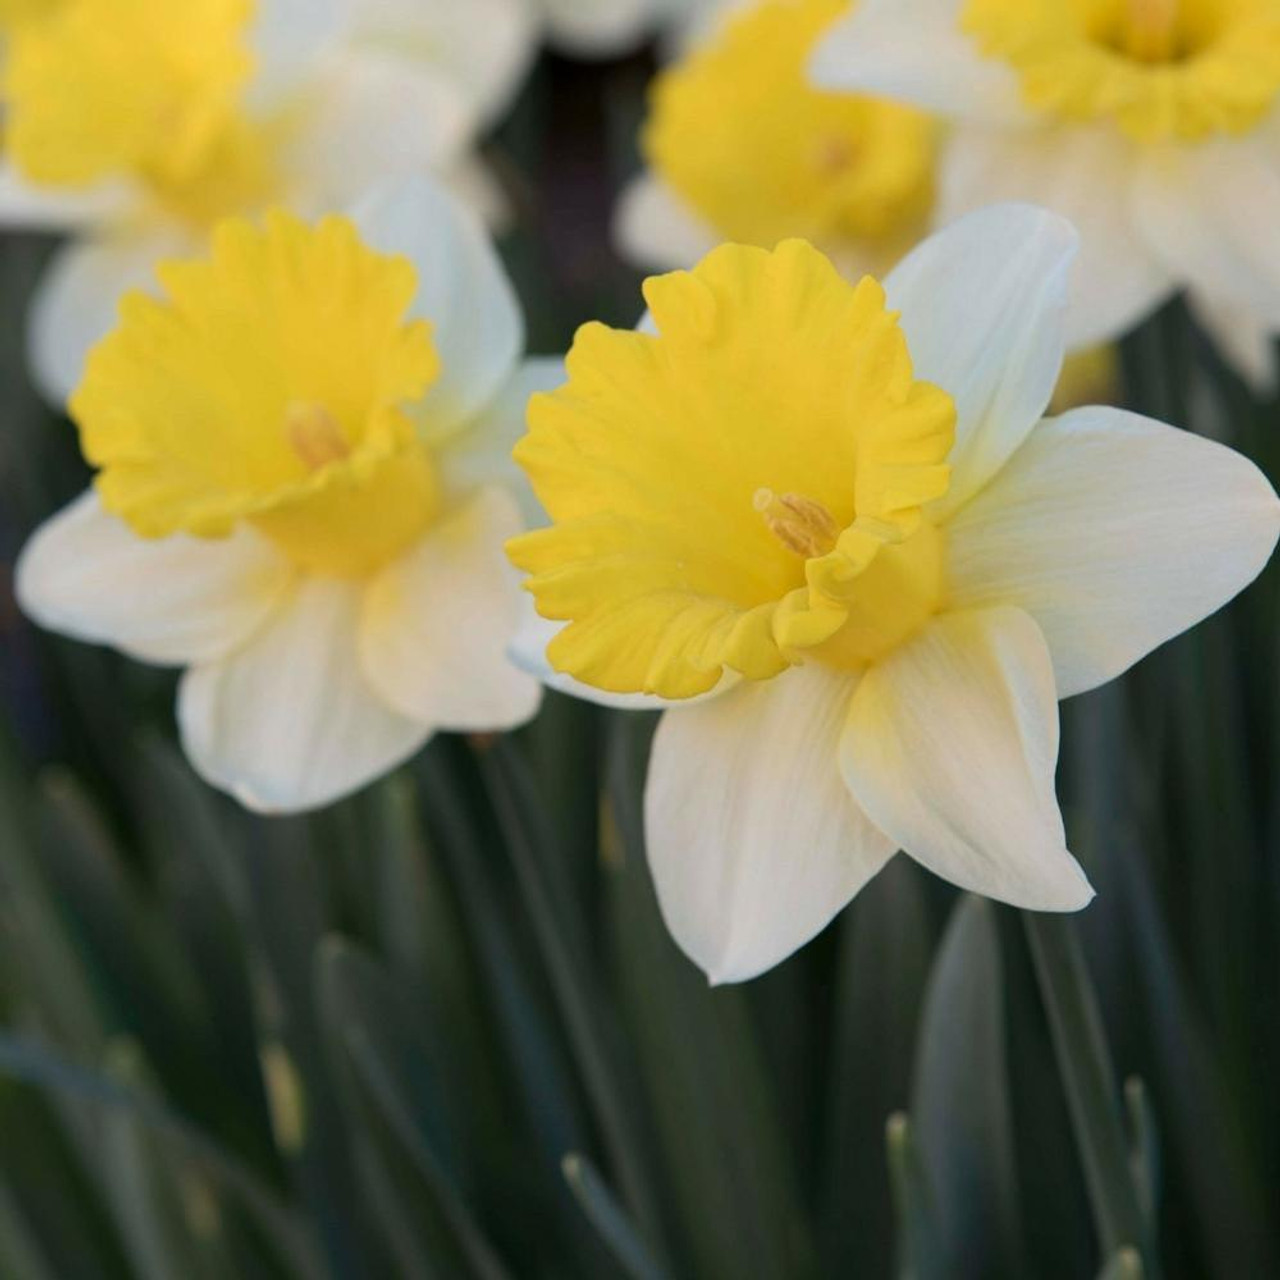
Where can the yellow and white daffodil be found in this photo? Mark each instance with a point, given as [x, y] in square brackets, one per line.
[144, 122]
[740, 146]
[1152, 124]
[301, 448]
[833, 514]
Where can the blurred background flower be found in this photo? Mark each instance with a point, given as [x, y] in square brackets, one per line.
[139, 126]
[1151, 124]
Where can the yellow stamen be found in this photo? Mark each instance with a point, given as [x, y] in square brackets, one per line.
[1151, 28]
[315, 435]
[799, 523]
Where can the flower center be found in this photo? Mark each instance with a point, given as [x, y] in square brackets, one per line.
[269, 385]
[142, 89]
[800, 524]
[738, 132]
[1160, 69]
[1151, 30]
[667, 556]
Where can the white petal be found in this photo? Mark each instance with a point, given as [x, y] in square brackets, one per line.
[655, 230]
[598, 29]
[915, 51]
[290, 38]
[481, 455]
[982, 307]
[754, 841]
[483, 46]
[374, 116]
[951, 748]
[477, 185]
[77, 301]
[1211, 213]
[436, 625]
[1244, 341]
[28, 207]
[86, 574]
[528, 650]
[463, 291]
[289, 722]
[1115, 533]
[1084, 174]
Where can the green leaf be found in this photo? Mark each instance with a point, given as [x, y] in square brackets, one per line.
[595, 1040]
[886, 945]
[402, 1076]
[919, 1248]
[1126, 1265]
[618, 1233]
[961, 1101]
[104, 1096]
[1085, 1065]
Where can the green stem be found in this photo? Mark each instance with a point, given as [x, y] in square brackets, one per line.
[1087, 1073]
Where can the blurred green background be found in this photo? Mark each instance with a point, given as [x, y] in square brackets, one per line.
[440, 1031]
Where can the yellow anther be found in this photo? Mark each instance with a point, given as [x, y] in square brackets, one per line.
[799, 523]
[1151, 29]
[315, 435]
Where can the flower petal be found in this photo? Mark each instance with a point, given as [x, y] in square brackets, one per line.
[1244, 341]
[289, 722]
[914, 51]
[528, 650]
[377, 116]
[1115, 533]
[483, 46]
[86, 574]
[27, 207]
[463, 291]
[603, 28]
[982, 305]
[1084, 174]
[436, 624]
[655, 230]
[289, 38]
[951, 747]
[76, 303]
[754, 842]
[1211, 213]
[481, 455]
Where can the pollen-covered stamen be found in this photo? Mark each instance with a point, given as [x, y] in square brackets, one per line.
[1151, 29]
[315, 435]
[799, 523]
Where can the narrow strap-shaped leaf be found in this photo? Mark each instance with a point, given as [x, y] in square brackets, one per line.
[1126, 1265]
[610, 1085]
[46, 1070]
[1085, 1065]
[919, 1251]
[615, 1229]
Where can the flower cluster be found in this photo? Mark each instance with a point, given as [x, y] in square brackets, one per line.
[812, 507]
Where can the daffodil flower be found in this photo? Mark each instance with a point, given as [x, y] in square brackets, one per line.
[833, 513]
[301, 449]
[1151, 124]
[144, 122]
[740, 146]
